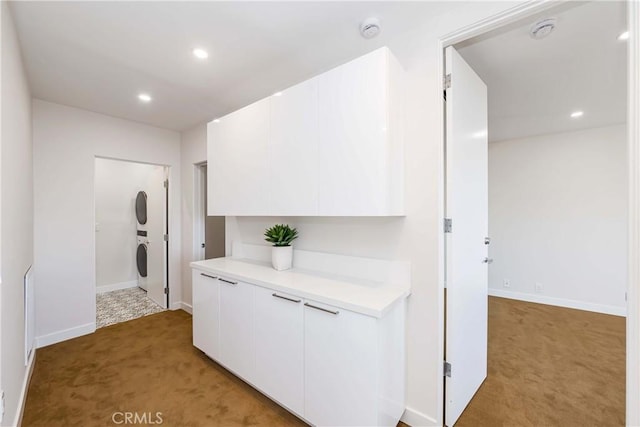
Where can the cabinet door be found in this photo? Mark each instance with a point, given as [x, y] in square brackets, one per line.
[205, 313]
[340, 367]
[237, 343]
[293, 150]
[279, 347]
[353, 152]
[237, 162]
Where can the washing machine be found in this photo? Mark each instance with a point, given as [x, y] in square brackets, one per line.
[141, 259]
[142, 239]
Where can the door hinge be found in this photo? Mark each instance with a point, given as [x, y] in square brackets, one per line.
[166, 183]
[447, 225]
[166, 291]
[447, 369]
[446, 81]
[165, 237]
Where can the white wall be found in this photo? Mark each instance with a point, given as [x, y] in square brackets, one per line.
[558, 217]
[116, 185]
[415, 237]
[66, 142]
[16, 215]
[193, 150]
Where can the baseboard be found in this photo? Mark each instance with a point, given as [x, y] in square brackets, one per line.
[25, 388]
[182, 306]
[116, 286]
[560, 302]
[67, 334]
[417, 419]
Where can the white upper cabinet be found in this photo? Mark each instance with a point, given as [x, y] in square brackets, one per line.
[360, 155]
[330, 146]
[293, 150]
[237, 156]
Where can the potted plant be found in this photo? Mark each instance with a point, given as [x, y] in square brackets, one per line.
[281, 236]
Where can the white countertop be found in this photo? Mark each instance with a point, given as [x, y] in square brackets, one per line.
[370, 298]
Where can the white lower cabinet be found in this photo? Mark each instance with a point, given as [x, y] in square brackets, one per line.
[279, 348]
[237, 343]
[205, 313]
[328, 365]
[340, 371]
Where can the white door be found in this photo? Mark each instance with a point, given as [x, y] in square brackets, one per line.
[279, 347]
[156, 209]
[466, 251]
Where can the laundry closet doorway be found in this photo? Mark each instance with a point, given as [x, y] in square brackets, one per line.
[130, 240]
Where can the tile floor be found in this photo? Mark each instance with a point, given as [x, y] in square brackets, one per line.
[122, 305]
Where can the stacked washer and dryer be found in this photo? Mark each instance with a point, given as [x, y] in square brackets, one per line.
[143, 241]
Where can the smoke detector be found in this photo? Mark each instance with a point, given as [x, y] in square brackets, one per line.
[542, 29]
[370, 28]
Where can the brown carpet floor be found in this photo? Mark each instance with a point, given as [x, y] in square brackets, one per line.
[146, 365]
[550, 366]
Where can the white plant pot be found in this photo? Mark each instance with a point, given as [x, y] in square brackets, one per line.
[282, 257]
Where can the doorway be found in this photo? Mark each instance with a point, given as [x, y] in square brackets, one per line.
[131, 218]
[209, 231]
[566, 172]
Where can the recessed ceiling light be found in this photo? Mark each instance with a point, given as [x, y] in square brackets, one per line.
[200, 53]
[216, 120]
[624, 36]
[577, 114]
[277, 94]
[144, 97]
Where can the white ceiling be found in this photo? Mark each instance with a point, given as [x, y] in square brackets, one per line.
[534, 85]
[100, 55]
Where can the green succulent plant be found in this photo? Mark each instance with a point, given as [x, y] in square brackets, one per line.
[280, 235]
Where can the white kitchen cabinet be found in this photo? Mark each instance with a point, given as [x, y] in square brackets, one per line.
[360, 151]
[237, 336]
[279, 347]
[238, 163]
[329, 146]
[340, 367]
[205, 313]
[328, 364]
[293, 150]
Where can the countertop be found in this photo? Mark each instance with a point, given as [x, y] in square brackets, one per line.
[365, 297]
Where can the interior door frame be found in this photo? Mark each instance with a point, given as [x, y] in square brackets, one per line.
[199, 209]
[166, 255]
[167, 251]
[633, 152]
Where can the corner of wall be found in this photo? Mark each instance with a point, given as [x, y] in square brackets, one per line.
[16, 201]
[25, 388]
